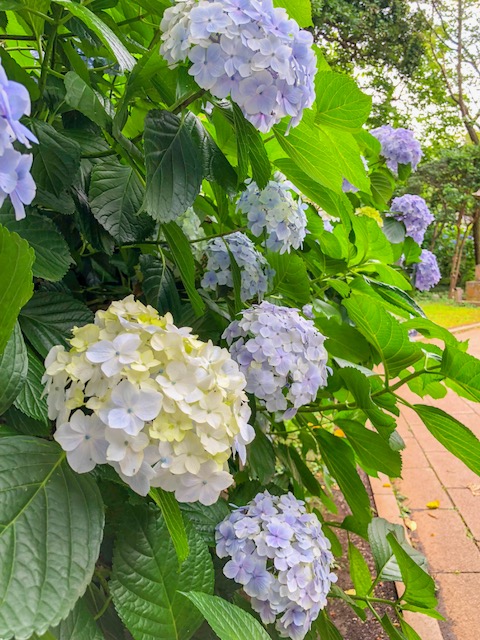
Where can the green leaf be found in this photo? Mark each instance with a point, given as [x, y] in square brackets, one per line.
[227, 620]
[326, 628]
[347, 155]
[116, 196]
[396, 297]
[159, 285]
[16, 286]
[463, 369]
[359, 386]
[359, 571]
[250, 145]
[340, 103]
[340, 461]
[385, 560]
[383, 186]
[419, 586]
[30, 400]
[174, 521]
[52, 255]
[116, 47]
[343, 340]
[78, 625]
[52, 525]
[147, 579]
[56, 158]
[17, 73]
[431, 330]
[394, 230]
[13, 369]
[291, 277]
[370, 242]
[454, 436]
[393, 632]
[182, 255]
[84, 99]
[373, 451]
[261, 457]
[48, 318]
[298, 10]
[174, 165]
[23, 424]
[205, 519]
[385, 333]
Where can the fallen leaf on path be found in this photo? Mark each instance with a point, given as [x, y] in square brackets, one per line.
[433, 505]
[386, 484]
[475, 489]
[410, 524]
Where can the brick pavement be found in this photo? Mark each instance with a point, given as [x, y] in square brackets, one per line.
[450, 535]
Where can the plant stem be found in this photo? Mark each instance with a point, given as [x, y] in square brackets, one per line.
[217, 235]
[104, 607]
[185, 100]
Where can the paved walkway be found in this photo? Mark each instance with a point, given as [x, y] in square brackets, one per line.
[450, 534]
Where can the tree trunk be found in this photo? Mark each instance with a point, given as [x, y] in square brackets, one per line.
[455, 269]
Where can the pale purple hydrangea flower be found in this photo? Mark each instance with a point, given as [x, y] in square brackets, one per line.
[427, 273]
[414, 213]
[281, 354]
[399, 146]
[280, 555]
[256, 275]
[246, 49]
[275, 211]
[15, 179]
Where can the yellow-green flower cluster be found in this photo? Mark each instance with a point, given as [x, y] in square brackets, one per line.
[162, 407]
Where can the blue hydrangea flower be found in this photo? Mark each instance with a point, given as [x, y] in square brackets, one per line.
[399, 146]
[246, 49]
[281, 558]
[275, 211]
[427, 273]
[281, 354]
[256, 275]
[414, 213]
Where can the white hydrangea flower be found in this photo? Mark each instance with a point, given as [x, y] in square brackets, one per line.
[167, 409]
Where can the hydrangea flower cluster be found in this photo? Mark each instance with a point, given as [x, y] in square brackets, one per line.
[427, 273]
[15, 179]
[414, 213]
[246, 49]
[281, 354]
[275, 211]
[280, 555]
[399, 146]
[163, 408]
[256, 274]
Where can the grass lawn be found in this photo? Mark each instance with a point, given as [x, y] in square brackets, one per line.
[448, 314]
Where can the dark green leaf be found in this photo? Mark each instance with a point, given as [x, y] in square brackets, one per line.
[291, 277]
[159, 285]
[174, 165]
[182, 255]
[227, 620]
[419, 586]
[23, 424]
[147, 579]
[84, 99]
[326, 628]
[454, 436]
[393, 230]
[56, 158]
[359, 386]
[16, 286]
[13, 369]
[116, 196]
[78, 625]
[261, 457]
[205, 519]
[373, 451]
[52, 524]
[250, 145]
[47, 320]
[393, 632]
[29, 399]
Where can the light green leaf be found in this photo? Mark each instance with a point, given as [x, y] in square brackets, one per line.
[340, 103]
[56, 158]
[174, 521]
[431, 330]
[359, 571]
[454, 436]
[343, 146]
[182, 255]
[147, 579]
[385, 333]
[419, 586]
[16, 285]
[174, 165]
[47, 320]
[116, 47]
[359, 386]
[463, 369]
[382, 190]
[291, 277]
[17, 73]
[116, 196]
[343, 340]
[373, 451]
[84, 99]
[13, 369]
[393, 632]
[385, 561]
[52, 525]
[159, 285]
[227, 620]
[370, 242]
[52, 254]
[298, 10]
[29, 399]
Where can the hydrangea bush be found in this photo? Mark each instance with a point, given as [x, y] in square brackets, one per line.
[191, 341]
